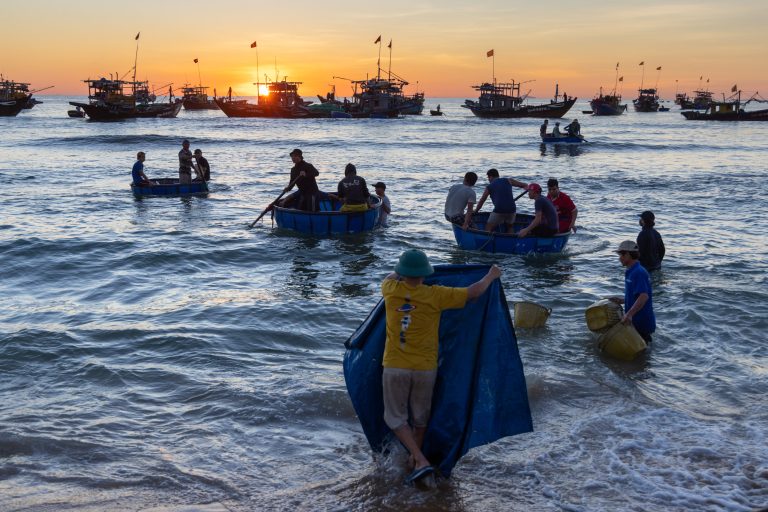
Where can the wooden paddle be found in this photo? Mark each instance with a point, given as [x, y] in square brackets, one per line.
[272, 204]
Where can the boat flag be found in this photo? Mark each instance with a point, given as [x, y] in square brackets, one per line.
[137, 37]
[658, 68]
[390, 44]
[701, 77]
[253, 44]
[489, 53]
[707, 80]
[195, 61]
[642, 64]
[734, 88]
[378, 40]
[617, 65]
[621, 79]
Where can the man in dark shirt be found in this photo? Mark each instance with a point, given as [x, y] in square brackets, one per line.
[185, 163]
[649, 242]
[353, 191]
[137, 173]
[303, 176]
[543, 128]
[545, 221]
[203, 167]
[504, 208]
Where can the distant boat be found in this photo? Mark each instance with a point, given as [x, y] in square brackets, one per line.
[663, 109]
[700, 102]
[78, 112]
[436, 112]
[14, 97]
[477, 239]
[563, 139]
[728, 110]
[503, 100]
[609, 104]
[195, 97]
[112, 100]
[281, 101]
[169, 187]
[646, 101]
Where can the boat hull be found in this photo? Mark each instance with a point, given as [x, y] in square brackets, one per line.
[755, 115]
[562, 140]
[544, 111]
[328, 221]
[245, 109]
[120, 112]
[199, 105]
[499, 242]
[170, 187]
[600, 108]
[11, 108]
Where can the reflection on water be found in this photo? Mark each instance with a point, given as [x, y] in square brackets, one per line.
[304, 268]
[356, 258]
[561, 149]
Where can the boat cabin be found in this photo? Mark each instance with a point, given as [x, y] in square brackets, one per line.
[500, 95]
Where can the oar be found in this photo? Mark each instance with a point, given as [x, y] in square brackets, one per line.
[290, 186]
[513, 200]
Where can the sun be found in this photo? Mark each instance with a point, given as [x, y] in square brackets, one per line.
[263, 90]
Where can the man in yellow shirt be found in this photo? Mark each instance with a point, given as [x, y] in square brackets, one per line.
[410, 352]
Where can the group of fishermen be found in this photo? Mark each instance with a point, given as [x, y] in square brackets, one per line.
[571, 130]
[352, 191]
[187, 162]
[554, 213]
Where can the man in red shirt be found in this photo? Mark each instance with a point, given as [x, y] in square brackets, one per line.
[566, 210]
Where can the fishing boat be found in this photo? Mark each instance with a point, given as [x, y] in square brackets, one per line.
[646, 101]
[563, 139]
[14, 97]
[436, 112]
[328, 220]
[607, 104]
[730, 109]
[681, 98]
[281, 101]
[170, 187]
[195, 97]
[114, 100]
[76, 113]
[662, 108]
[477, 239]
[699, 102]
[382, 98]
[503, 100]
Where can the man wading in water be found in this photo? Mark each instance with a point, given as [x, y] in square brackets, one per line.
[410, 352]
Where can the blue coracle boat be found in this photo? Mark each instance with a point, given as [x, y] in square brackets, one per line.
[480, 394]
[548, 139]
[477, 239]
[329, 220]
[170, 187]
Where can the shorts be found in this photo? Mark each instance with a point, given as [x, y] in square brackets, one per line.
[354, 208]
[404, 388]
[501, 218]
[456, 219]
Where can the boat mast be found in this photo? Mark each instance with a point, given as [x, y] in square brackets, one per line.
[378, 62]
[615, 82]
[258, 87]
[135, 63]
[642, 79]
[389, 71]
[199, 78]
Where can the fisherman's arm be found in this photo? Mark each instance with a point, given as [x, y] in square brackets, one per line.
[482, 200]
[477, 289]
[518, 184]
[468, 216]
[637, 306]
[574, 213]
[535, 222]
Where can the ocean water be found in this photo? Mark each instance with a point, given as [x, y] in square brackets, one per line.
[157, 354]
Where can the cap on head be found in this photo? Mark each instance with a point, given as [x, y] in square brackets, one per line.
[413, 263]
[295, 152]
[185, 142]
[534, 187]
[648, 216]
[552, 182]
[381, 185]
[350, 169]
[628, 246]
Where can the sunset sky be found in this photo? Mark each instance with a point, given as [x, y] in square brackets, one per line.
[441, 44]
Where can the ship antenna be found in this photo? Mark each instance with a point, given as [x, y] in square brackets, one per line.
[135, 63]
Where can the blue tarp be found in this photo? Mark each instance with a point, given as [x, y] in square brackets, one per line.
[480, 394]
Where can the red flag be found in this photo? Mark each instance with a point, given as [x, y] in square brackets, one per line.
[378, 40]
[489, 53]
[707, 80]
[137, 37]
[734, 88]
[701, 77]
[642, 64]
[253, 44]
[195, 61]
[617, 65]
[390, 44]
[658, 68]
[621, 79]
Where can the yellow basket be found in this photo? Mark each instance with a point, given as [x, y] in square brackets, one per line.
[529, 315]
[622, 342]
[602, 315]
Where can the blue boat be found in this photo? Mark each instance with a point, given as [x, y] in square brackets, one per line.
[329, 220]
[565, 139]
[170, 187]
[477, 239]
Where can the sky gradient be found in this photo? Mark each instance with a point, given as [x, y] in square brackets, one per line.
[441, 45]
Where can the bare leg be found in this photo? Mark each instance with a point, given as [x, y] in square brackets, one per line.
[407, 437]
[511, 225]
[489, 227]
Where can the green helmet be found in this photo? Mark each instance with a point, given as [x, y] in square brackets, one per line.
[413, 263]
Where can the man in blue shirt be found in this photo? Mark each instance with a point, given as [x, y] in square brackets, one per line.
[504, 209]
[638, 297]
[139, 178]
